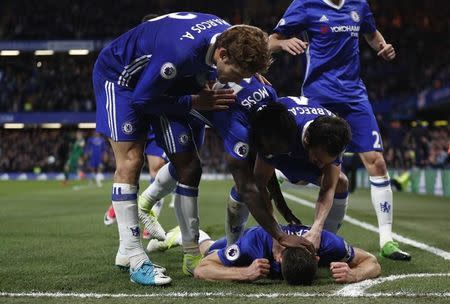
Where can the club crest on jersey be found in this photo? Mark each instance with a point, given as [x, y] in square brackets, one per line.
[168, 70]
[241, 149]
[183, 139]
[355, 16]
[127, 128]
[281, 22]
[232, 253]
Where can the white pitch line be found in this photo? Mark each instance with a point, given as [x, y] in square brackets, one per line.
[358, 289]
[217, 294]
[439, 252]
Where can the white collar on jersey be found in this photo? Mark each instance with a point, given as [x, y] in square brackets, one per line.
[304, 131]
[210, 51]
[330, 3]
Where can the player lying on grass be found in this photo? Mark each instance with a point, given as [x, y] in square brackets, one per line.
[256, 255]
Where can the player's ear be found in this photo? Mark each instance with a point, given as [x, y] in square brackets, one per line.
[223, 54]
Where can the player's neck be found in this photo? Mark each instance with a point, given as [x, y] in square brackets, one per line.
[337, 2]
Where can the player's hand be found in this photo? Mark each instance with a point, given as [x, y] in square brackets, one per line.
[294, 46]
[296, 241]
[259, 269]
[212, 100]
[262, 79]
[314, 237]
[342, 273]
[386, 51]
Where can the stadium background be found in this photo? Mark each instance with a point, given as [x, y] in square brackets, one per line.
[46, 97]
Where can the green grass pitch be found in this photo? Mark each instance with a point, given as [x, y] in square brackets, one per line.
[52, 239]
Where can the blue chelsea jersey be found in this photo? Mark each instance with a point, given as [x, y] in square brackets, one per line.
[256, 243]
[332, 58]
[150, 58]
[304, 111]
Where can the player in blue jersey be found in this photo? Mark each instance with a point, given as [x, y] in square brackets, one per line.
[95, 156]
[305, 142]
[131, 79]
[330, 42]
[257, 255]
[232, 126]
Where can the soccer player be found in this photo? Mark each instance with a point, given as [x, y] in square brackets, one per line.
[232, 127]
[131, 78]
[75, 159]
[305, 142]
[95, 155]
[331, 46]
[257, 255]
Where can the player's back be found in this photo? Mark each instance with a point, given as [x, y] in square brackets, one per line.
[177, 35]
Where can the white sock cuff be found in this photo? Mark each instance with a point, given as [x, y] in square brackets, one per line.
[203, 236]
[380, 181]
[124, 188]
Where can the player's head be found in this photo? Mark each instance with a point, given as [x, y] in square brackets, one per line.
[240, 52]
[298, 266]
[273, 130]
[326, 139]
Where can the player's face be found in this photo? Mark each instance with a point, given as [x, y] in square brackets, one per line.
[319, 157]
[228, 72]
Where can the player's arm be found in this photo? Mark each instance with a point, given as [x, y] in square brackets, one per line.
[293, 46]
[330, 178]
[263, 172]
[373, 37]
[362, 267]
[149, 94]
[280, 202]
[291, 24]
[212, 269]
[377, 43]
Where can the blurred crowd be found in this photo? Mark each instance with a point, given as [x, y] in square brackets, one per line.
[421, 146]
[43, 150]
[51, 83]
[419, 31]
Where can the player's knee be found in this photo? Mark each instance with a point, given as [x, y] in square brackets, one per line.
[375, 164]
[128, 169]
[379, 165]
[190, 173]
[342, 185]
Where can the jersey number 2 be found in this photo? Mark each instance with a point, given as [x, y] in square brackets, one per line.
[377, 143]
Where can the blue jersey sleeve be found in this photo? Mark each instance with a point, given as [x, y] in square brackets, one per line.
[294, 20]
[243, 252]
[368, 22]
[333, 248]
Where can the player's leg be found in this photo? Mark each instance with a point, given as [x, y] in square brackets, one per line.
[117, 120]
[366, 141]
[340, 201]
[180, 140]
[382, 201]
[110, 216]
[156, 158]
